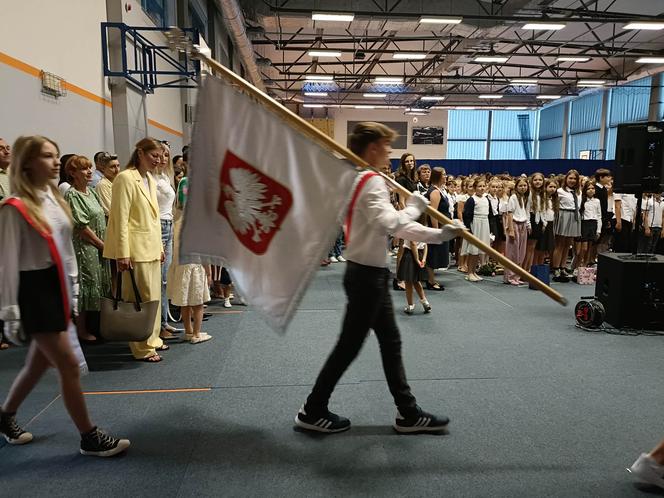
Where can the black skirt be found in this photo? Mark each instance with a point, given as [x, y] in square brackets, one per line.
[588, 230]
[409, 270]
[547, 241]
[535, 228]
[438, 255]
[40, 302]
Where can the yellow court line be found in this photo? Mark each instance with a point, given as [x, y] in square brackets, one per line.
[151, 391]
[33, 71]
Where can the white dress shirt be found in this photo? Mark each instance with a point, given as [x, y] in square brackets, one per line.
[627, 206]
[566, 198]
[373, 218]
[653, 212]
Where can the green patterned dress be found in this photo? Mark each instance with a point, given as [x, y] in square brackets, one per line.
[93, 270]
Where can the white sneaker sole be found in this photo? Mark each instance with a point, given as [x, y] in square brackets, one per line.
[651, 479]
[123, 444]
[311, 427]
[18, 442]
[416, 430]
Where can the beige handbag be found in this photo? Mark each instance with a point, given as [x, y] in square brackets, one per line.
[121, 321]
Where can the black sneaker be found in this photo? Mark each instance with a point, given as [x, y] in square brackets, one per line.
[419, 421]
[328, 422]
[11, 430]
[97, 443]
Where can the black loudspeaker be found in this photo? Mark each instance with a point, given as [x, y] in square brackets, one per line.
[631, 288]
[639, 158]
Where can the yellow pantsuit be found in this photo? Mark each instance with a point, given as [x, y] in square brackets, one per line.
[148, 281]
[134, 231]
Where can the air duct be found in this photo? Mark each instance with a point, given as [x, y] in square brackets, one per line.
[234, 20]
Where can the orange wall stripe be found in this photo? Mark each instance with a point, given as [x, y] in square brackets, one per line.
[33, 71]
[151, 391]
[165, 128]
[21, 66]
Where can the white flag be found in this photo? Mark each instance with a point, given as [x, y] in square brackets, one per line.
[264, 200]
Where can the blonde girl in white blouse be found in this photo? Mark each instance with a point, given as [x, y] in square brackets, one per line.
[36, 247]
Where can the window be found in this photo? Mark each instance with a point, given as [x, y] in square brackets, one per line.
[512, 134]
[156, 10]
[467, 134]
[584, 124]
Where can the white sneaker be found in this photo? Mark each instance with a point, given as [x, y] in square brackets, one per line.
[202, 337]
[341, 259]
[409, 309]
[227, 302]
[426, 306]
[648, 471]
[333, 259]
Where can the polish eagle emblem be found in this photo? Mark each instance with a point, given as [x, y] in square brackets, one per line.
[254, 204]
[249, 205]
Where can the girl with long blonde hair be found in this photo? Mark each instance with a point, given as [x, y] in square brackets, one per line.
[39, 290]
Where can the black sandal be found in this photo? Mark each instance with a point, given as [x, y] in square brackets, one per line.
[163, 347]
[435, 287]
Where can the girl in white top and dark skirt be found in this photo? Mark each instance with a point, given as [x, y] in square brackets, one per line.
[591, 223]
[567, 226]
[517, 225]
[476, 214]
[39, 290]
[535, 208]
[546, 242]
[411, 271]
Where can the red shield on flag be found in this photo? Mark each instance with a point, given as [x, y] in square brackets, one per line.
[254, 204]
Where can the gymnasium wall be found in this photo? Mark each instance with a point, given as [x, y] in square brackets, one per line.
[64, 38]
[436, 118]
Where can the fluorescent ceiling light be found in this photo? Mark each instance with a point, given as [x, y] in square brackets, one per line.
[313, 105]
[569, 58]
[490, 58]
[318, 77]
[517, 108]
[543, 26]
[592, 82]
[324, 53]
[654, 26]
[440, 20]
[375, 95]
[408, 56]
[491, 96]
[650, 60]
[432, 97]
[365, 107]
[590, 85]
[524, 82]
[315, 94]
[322, 16]
[465, 108]
[390, 80]
[548, 97]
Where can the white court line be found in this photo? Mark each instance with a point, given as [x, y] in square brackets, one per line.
[45, 408]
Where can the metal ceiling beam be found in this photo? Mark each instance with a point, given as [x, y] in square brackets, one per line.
[590, 16]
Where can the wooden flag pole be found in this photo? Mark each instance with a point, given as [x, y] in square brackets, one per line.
[178, 40]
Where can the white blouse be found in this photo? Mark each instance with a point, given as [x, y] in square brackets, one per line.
[165, 197]
[567, 200]
[592, 210]
[549, 214]
[481, 206]
[494, 203]
[519, 212]
[23, 249]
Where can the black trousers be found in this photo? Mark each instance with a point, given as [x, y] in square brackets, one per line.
[622, 240]
[369, 307]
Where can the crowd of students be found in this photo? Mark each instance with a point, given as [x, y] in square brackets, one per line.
[563, 220]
